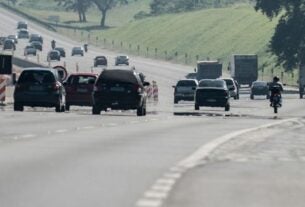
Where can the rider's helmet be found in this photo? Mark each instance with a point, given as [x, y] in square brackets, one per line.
[276, 79]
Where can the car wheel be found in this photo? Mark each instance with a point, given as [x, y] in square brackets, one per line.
[67, 107]
[197, 107]
[18, 107]
[268, 96]
[301, 95]
[58, 108]
[227, 107]
[235, 97]
[176, 101]
[251, 96]
[140, 111]
[96, 110]
[63, 108]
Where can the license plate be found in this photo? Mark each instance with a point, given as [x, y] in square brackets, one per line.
[36, 88]
[211, 100]
[117, 89]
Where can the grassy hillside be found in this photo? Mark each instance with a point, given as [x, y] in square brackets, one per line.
[118, 16]
[213, 33]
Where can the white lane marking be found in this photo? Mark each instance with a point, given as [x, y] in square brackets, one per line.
[28, 136]
[172, 175]
[148, 203]
[87, 127]
[112, 124]
[155, 194]
[162, 187]
[167, 181]
[61, 130]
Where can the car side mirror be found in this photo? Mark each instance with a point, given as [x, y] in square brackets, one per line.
[194, 88]
[65, 83]
[174, 86]
[231, 89]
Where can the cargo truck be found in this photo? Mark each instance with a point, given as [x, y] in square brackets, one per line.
[302, 81]
[244, 68]
[208, 70]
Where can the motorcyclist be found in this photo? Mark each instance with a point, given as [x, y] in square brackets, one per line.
[275, 87]
[53, 44]
[86, 47]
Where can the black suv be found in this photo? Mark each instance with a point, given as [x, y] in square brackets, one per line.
[39, 87]
[119, 89]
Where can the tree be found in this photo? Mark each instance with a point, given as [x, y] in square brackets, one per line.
[104, 6]
[79, 6]
[288, 40]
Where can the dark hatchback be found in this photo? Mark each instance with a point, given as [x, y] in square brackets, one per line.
[185, 90]
[100, 61]
[37, 45]
[212, 93]
[39, 87]
[53, 55]
[79, 88]
[36, 37]
[9, 45]
[61, 50]
[119, 89]
[259, 88]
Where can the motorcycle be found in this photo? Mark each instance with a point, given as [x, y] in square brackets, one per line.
[276, 102]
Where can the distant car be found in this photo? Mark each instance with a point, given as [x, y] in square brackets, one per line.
[122, 60]
[77, 51]
[53, 55]
[39, 87]
[233, 88]
[37, 45]
[61, 50]
[260, 88]
[23, 34]
[36, 37]
[191, 76]
[213, 93]
[13, 37]
[79, 88]
[100, 61]
[9, 45]
[22, 25]
[119, 89]
[185, 90]
[30, 50]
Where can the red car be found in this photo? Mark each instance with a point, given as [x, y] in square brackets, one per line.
[79, 88]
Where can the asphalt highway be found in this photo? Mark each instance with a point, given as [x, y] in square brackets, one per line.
[118, 159]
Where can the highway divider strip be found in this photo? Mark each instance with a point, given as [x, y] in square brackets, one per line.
[161, 189]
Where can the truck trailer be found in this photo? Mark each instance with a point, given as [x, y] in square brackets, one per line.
[244, 68]
[208, 70]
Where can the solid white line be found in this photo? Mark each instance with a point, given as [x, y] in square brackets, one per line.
[206, 149]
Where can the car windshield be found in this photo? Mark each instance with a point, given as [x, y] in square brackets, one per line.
[259, 83]
[184, 83]
[229, 82]
[82, 79]
[212, 83]
[39, 77]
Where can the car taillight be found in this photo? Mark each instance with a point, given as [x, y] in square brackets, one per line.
[137, 88]
[55, 86]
